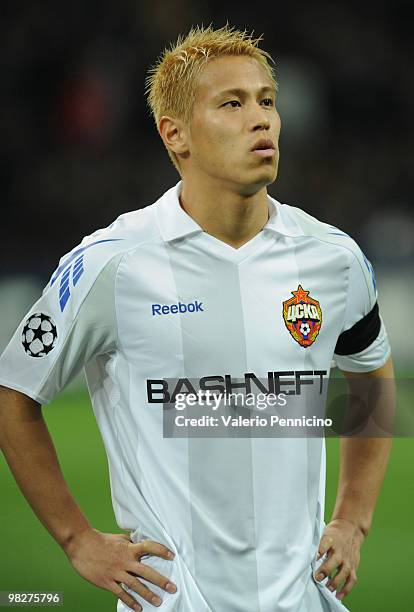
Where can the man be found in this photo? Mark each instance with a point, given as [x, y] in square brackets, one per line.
[213, 282]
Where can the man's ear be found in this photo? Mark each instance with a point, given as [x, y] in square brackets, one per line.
[174, 135]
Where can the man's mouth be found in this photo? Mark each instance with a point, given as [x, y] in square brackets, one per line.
[264, 148]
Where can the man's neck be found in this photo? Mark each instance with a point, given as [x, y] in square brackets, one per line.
[225, 214]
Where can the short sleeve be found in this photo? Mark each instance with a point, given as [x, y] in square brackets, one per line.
[73, 321]
[362, 345]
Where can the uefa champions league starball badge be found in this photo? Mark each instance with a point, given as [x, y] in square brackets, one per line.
[303, 317]
[39, 335]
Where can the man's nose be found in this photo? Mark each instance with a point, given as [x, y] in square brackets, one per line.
[261, 120]
[262, 125]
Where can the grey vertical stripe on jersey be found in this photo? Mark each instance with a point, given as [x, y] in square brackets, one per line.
[313, 445]
[315, 450]
[220, 470]
[102, 378]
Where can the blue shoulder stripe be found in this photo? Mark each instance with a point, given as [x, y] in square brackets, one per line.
[77, 270]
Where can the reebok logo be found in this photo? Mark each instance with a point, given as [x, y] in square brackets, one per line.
[165, 309]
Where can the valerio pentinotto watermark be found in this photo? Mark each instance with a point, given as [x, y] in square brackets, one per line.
[218, 402]
[255, 421]
[304, 404]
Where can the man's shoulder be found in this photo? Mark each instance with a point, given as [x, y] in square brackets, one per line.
[128, 231]
[79, 269]
[323, 232]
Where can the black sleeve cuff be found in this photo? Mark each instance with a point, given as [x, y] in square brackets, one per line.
[360, 335]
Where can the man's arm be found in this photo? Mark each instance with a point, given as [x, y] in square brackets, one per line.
[30, 453]
[106, 560]
[363, 462]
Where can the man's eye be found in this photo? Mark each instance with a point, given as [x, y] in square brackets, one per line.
[268, 101]
[232, 103]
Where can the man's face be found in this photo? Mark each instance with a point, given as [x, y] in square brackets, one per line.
[234, 110]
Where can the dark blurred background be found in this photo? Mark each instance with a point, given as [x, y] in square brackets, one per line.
[79, 147]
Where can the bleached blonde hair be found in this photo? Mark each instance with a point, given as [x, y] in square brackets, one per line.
[171, 83]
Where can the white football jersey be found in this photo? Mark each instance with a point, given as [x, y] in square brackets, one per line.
[153, 297]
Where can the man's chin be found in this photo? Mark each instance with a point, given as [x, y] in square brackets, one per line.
[251, 189]
[266, 177]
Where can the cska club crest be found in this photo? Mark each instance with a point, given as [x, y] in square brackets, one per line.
[303, 317]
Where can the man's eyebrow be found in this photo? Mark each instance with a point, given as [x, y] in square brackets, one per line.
[242, 92]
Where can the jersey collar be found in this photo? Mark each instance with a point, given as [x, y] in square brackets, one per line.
[175, 223]
[281, 221]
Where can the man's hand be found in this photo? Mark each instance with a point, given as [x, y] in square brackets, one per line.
[341, 541]
[107, 560]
